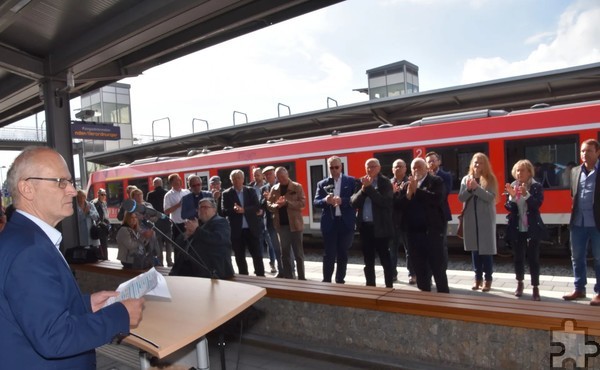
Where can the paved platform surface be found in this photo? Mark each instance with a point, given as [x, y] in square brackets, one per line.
[249, 357]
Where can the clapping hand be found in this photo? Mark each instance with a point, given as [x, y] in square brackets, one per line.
[238, 209]
[472, 183]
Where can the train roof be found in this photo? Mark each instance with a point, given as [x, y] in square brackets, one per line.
[467, 128]
[562, 86]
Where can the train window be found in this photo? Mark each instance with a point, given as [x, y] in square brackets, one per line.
[114, 193]
[224, 175]
[290, 167]
[141, 184]
[386, 159]
[203, 177]
[165, 180]
[316, 171]
[552, 158]
[457, 158]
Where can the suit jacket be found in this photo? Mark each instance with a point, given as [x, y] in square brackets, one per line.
[189, 204]
[381, 199]
[575, 175]
[536, 229]
[324, 188]
[423, 212]
[296, 203]
[211, 246]
[156, 197]
[251, 206]
[447, 178]
[397, 211]
[47, 323]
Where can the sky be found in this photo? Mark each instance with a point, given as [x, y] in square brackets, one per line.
[325, 54]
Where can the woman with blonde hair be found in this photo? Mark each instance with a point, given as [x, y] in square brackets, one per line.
[479, 193]
[525, 227]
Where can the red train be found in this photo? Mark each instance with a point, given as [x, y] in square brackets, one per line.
[548, 136]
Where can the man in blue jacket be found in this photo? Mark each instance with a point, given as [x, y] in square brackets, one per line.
[337, 220]
[47, 323]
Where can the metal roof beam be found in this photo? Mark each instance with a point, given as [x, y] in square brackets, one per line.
[21, 64]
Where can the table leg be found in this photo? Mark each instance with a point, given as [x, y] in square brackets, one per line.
[144, 361]
[202, 354]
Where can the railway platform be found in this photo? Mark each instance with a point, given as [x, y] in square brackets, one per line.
[253, 356]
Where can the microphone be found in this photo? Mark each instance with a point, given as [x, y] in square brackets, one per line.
[131, 206]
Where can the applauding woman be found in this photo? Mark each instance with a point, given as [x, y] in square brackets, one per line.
[133, 244]
[525, 227]
[479, 192]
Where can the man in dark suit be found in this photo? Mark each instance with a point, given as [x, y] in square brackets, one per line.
[585, 219]
[47, 323]
[421, 199]
[374, 202]
[240, 206]
[434, 161]
[337, 220]
[156, 197]
[207, 241]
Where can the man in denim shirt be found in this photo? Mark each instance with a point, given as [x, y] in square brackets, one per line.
[585, 219]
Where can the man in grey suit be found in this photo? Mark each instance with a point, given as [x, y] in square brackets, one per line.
[240, 205]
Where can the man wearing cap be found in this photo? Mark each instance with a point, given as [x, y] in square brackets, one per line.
[264, 238]
[274, 248]
[207, 241]
[189, 202]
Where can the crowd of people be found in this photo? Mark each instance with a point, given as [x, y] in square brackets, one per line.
[41, 301]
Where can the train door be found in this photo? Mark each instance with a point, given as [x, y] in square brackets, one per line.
[204, 176]
[316, 170]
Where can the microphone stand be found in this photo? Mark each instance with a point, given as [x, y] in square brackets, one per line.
[197, 260]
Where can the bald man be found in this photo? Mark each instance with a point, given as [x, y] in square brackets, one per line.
[47, 323]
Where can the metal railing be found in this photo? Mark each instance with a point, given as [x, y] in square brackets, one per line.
[22, 134]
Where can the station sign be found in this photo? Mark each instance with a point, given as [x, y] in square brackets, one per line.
[95, 131]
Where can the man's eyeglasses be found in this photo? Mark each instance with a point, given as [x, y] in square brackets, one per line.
[195, 185]
[334, 167]
[62, 182]
[102, 194]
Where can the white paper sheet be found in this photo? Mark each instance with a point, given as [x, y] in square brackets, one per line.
[149, 283]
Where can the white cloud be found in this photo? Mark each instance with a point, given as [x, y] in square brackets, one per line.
[251, 74]
[575, 42]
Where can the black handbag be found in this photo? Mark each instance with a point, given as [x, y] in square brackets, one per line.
[95, 231]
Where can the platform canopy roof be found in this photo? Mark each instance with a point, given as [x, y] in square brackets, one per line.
[565, 86]
[91, 43]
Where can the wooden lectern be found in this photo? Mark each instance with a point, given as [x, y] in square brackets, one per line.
[197, 306]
